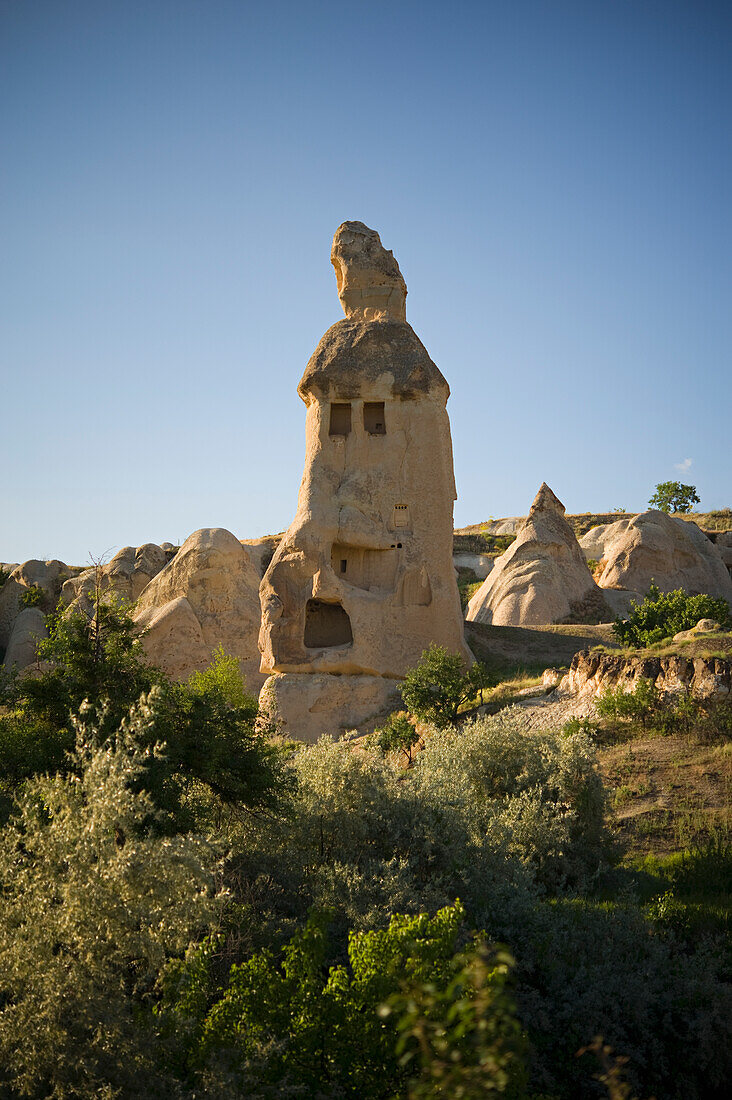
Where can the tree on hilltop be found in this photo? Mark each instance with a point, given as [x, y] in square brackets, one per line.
[673, 496]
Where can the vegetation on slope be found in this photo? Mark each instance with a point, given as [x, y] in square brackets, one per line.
[255, 919]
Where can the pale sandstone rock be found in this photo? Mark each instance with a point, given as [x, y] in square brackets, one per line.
[362, 581]
[723, 544]
[656, 547]
[261, 551]
[46, 575]
[370, 284]
[592, 673]
[206, 597]
[307, 706]
[704, 626]
[481, 564]
[28, 630]
[125, 576]
[542, 577]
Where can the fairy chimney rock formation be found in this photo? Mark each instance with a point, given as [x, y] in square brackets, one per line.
[363, 579]
[542, 577]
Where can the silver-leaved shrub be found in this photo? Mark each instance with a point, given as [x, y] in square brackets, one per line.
[92, 903]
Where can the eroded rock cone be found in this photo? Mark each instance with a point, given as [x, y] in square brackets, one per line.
[542, 578]
[654, 547]
[206, 597]
[363, 579]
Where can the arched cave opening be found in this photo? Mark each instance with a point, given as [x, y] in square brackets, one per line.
[326, 624]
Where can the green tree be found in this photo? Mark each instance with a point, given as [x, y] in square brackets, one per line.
[441, 683]
[398, 735]
[210, 724]
[673, 496]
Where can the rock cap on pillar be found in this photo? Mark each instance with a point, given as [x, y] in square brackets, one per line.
[373, 346]
[370, 285]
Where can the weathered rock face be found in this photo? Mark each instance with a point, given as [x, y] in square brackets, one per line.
[591, 673]
[126, 576]
[46, 575]
[542, 577]
[481, 564]
[656, 547]
[261, 551]
[206, 597]
[363, 579]
[370, 284]
[28, 630]
[723, 543]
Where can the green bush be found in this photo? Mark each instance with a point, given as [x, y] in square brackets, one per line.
[210, 724]
[32, 597]
[441, 683]
[638, 705]
[488, 813]
[406, 1008]
[398, 735]
[661, 615]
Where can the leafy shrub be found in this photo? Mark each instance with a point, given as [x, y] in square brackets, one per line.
[490, 814]
[661, 615]
[638, 705]
[398, 735]
[32, 597]
[539, 796]
[441, 683]
[210, 724]
[586, 969]
[90, 908]
[707, 720]
[290, 1023]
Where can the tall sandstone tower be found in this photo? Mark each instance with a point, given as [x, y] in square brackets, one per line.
[363, 579]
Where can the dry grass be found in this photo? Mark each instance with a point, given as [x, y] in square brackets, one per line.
[666, 791]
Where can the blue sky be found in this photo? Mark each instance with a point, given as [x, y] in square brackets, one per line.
[553, 177]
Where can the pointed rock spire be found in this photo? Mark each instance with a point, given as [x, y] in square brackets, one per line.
[546, 501]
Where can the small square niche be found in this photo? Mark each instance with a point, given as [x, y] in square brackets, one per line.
[340, 418]
[373, 417]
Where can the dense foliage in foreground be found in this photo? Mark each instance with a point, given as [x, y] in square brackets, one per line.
[189, 910]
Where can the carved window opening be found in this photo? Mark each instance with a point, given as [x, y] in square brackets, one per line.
[401, 515]
[326, 624]
[373, 417]
[365, 568]
[340, 418]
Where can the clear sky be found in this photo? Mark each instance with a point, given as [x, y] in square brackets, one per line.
[552, 175]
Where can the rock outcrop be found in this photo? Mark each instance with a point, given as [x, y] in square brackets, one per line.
[48, 576]
[126, 576]
[207, 596]
[28, 630]
[363, 579]
[653, 546]
[593, 672]
[543, 576]
[481, 564]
